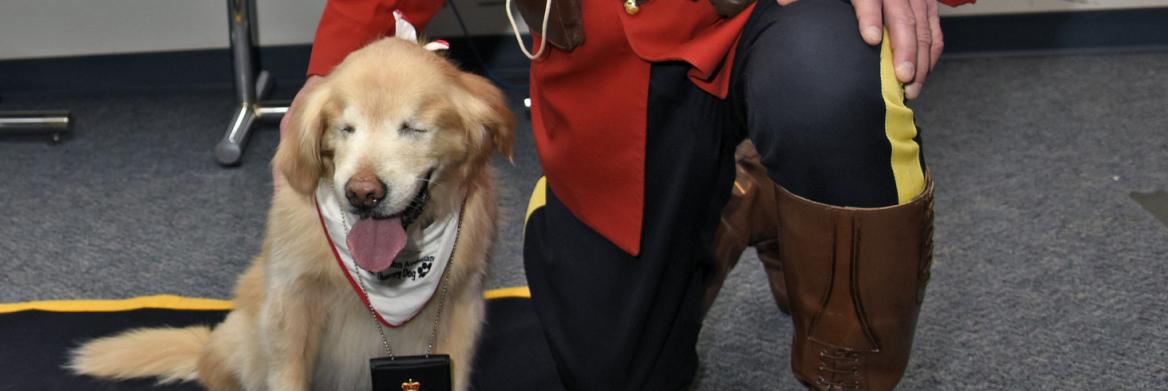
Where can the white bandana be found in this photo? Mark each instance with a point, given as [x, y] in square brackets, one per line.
[415, 274]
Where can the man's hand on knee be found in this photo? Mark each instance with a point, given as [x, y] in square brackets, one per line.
[914, 32]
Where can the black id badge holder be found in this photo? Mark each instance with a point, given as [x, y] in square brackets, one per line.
[411, 373]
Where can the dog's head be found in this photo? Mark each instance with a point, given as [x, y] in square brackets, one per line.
[394, 123]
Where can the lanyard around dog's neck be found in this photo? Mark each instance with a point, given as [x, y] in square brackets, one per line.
[441, 299]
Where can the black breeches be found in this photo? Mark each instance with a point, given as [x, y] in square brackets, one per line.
[830, 126]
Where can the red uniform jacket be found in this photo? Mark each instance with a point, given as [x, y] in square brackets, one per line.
[588, 105]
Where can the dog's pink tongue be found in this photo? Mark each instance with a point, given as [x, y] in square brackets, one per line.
[374, 243]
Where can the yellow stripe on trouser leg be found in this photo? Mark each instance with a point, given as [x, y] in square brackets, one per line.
[900, 128]
[538, 199]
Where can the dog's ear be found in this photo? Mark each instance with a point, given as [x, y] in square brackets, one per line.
[298, 155]
[487, 110]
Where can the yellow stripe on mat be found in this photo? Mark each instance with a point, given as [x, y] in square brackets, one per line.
[900, 129]
[520, 292]
[172, 302]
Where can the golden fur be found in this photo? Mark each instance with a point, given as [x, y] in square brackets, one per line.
[297, 324]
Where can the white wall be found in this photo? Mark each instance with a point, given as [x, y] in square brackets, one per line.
[983, 7]
[47, 28]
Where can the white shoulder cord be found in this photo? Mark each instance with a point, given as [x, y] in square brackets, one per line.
[547, 10]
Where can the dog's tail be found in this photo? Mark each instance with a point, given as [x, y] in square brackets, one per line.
[170, 354]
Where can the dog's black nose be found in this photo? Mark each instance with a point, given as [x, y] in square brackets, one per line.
[365, 191]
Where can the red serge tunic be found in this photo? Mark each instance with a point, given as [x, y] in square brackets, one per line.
[589, 105]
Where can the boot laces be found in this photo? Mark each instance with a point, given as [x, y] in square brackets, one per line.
[839, 369]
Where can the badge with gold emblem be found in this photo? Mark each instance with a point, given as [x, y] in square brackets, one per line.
[631, 7]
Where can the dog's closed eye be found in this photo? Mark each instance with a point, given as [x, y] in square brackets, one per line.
[407, 129]
[347, 129]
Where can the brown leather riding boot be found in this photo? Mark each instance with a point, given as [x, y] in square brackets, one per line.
[749, 220]
[856, 279]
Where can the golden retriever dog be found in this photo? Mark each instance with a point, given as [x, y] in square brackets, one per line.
[393, 123]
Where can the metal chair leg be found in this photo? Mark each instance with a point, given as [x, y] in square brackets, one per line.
[55, 124]
[251, 84]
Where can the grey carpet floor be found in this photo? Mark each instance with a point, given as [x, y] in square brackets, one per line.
[1048, 275]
